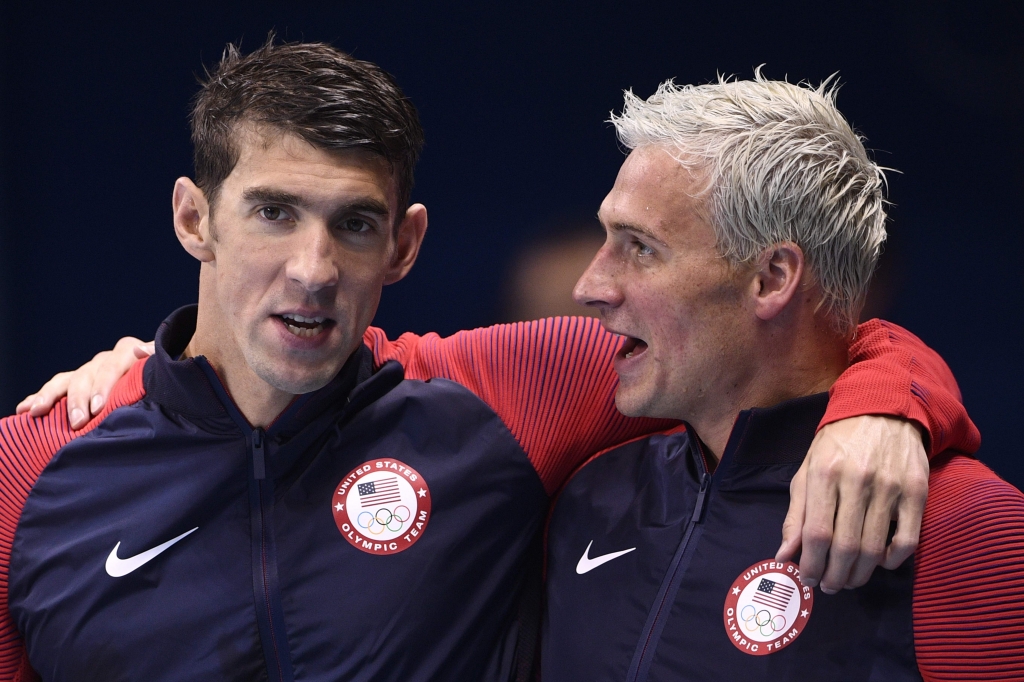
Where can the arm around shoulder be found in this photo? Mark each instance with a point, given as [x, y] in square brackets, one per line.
[892, 372]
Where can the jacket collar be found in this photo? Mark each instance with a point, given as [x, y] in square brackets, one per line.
[773, 436]
[189, 386]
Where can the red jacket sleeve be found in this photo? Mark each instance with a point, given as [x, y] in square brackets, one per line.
[552, 383]
[969, 575]
[893, 373]
[26, 446]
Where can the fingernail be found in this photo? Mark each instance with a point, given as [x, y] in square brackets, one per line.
[810, 582]
[96, 403]
[828, 591]
[77, 416]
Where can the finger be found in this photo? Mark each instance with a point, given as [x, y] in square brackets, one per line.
[908, 529]
[822, 496]
[106, 375]
[48, 396]
[26, 404]
[846, 535]
[79, 394]
[145, 350]
[793, 526]
[872, 542]
[101, 374]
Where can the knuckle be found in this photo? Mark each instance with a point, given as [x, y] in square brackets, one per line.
[126, 342]
[817, 537]
[99, 357]
[845, 549]
[872, 553]
[917, 485]
[903, 546]
[888, 486]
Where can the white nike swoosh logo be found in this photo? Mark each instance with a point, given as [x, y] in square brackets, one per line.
[121, 567]
[587, 564]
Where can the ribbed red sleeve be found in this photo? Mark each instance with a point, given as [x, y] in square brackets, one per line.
[969, 575]
[892, 372]
[27, 445]
[551, 381]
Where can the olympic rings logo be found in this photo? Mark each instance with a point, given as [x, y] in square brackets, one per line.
[384, 518]
[761, 621]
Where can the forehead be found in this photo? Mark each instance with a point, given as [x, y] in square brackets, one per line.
[285, 160]
[654, 191]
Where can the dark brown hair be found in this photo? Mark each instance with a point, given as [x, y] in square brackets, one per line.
[311, 90]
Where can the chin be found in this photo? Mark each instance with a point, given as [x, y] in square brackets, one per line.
[295, 381]
[630, 404]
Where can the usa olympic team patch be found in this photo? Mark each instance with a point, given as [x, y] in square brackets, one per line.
[767, 608]
[382, 506]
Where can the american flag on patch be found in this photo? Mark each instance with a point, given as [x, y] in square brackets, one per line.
[381, 491]
[773, 594]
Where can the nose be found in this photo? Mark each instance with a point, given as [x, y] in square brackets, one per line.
[598, 286]
[312, 265]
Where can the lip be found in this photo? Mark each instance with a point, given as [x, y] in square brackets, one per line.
[631, 353]
[304, 343]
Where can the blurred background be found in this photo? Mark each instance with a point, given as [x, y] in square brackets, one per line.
[514, 98]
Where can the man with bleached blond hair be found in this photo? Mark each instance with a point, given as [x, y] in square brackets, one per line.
[742, 232]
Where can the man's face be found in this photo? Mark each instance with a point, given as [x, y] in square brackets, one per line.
[302, 242]
[659, 281]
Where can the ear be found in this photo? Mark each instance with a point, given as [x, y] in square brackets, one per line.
[407, 244]
[192, 220]
[777, 278]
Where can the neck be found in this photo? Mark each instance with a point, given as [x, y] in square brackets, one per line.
[790, 363]
[259, 402]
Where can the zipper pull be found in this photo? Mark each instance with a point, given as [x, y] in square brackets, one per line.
[259, 463]
[698, 509]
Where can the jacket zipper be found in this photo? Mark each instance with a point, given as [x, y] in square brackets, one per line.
[259, 468]
[666, 595]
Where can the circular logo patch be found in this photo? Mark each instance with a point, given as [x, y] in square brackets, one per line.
[382, 506]
[767, 608]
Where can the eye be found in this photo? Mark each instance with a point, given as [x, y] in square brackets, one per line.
[355, 225]
[272, 213]
[642, 249]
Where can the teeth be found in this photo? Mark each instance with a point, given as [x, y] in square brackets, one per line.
[304, 332]
[300, 318]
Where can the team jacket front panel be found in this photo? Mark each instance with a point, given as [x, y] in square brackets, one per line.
[267, 585]
[692, 539]
[135, 483]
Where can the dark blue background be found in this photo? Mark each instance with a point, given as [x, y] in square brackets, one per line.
[513, 98]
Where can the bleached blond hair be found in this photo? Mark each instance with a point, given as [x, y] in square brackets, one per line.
[781, 164]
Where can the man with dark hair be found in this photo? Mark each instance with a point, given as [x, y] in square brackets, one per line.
[282, 493]
[344, 103]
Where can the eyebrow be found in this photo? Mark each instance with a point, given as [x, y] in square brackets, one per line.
[276, 196]
[272, 196]
[634, 229]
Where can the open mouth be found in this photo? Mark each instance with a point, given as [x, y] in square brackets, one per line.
[305, 327]
[633, 347]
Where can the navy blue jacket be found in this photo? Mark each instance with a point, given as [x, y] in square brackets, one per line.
[268, 586]
[686, 540]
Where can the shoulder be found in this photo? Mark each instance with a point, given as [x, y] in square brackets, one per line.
[27, 444]
[971, 519]
[966, 496]
[969, 574]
